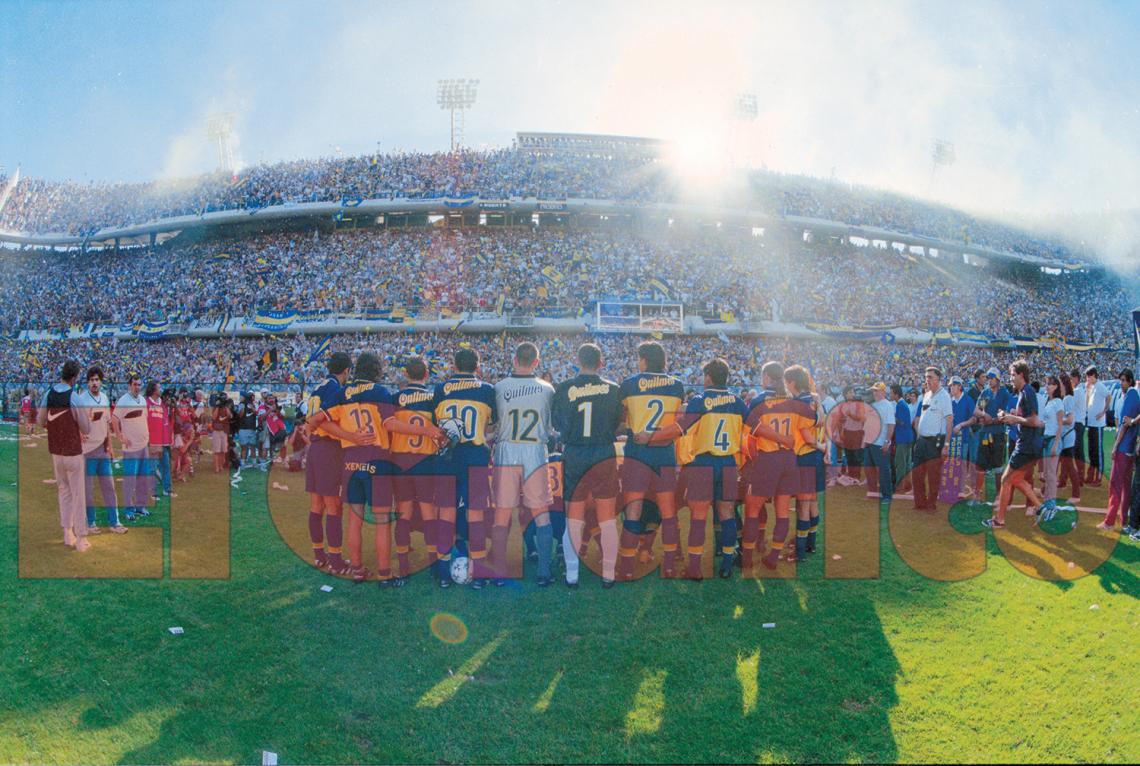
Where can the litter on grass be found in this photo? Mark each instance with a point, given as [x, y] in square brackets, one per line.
[768, 625]
[268, 758]
[326, 588]
[176, 631]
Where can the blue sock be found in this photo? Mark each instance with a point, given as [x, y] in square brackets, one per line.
[813, 525]
[544, 539]
[728, 540]
[802, 530]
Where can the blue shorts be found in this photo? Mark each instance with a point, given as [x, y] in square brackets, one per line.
[414, 478]
[468, 465]
[597, 464]
[648, 470]
[711, 479]
[813, 474]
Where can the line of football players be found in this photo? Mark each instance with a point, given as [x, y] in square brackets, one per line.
[463, 461]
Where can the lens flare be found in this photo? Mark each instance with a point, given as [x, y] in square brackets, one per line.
[448, 628]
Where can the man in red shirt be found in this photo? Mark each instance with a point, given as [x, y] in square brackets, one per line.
[161, 434]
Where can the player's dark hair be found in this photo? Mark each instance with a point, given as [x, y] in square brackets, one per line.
[416, 368]
[526, 353]
[369, 367]
[70, 371]
[1091, 370]
[798, 377]
[1075, 374]
[896, 389]
[132, 377]
[717, 371]
[1127, 374]
[1021, 367]
[589, 356]
[1036, 386]
[774, 372]
[654, 355]
[466, 360]
[95, 371]
[338, 363]
[937, 372]
[151, 387]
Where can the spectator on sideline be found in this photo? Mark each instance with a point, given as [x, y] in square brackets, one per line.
[963, 407]
[904, 440]
[98, 454]
[220, 415]
[1053, 415]
[246, 419]
[935, 422]
[66, 424]
[1070, 470]
[1096, 405]
[131, 414]
[878, 451]
[1026, 450]
[849, 433]
[1123, 453]
[1080, 408]
[159, 437]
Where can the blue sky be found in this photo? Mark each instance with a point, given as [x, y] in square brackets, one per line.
[1042, 100]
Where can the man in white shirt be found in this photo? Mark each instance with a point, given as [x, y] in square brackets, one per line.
[934, 423]
[131, 416]
[97, 453]
[1096, 405]
[878, 457]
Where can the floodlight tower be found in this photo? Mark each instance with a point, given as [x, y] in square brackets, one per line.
[219, 128]
[941, 154]
[456, 95]
[747, 109]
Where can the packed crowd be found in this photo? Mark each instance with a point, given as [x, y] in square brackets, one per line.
[241, 361]
[533, 269]
[46, 206]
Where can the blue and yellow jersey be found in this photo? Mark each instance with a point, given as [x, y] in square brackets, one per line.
[683, 449]
[775, 411]
[327, 397]
[652, 400]
[471, 402]
[365, 407]
[714, 421]
[804, 417]
[416, 405]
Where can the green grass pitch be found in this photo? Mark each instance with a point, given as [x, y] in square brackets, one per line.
[999, 667]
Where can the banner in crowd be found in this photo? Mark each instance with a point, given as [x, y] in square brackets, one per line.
[154, 330]
[274, 320]
[849, 332]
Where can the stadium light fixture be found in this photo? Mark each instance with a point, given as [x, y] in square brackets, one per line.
[747, 107]
[219, 128]
[456, 96]
[941, 155]
[943, 152]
